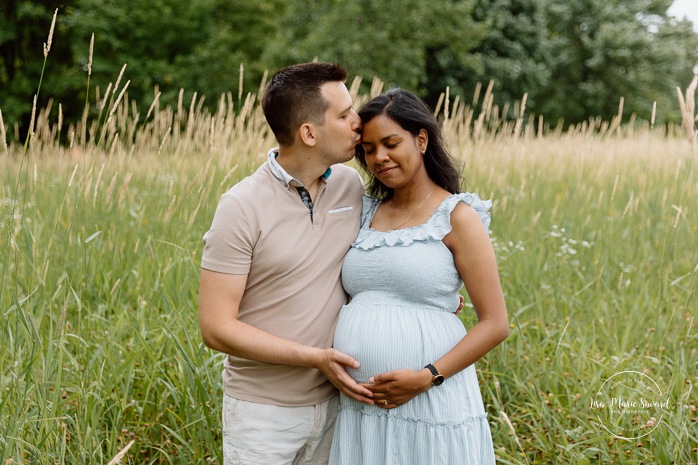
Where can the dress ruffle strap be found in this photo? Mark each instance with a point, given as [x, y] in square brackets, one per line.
[436, 227]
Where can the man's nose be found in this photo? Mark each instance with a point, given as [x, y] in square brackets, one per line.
[356, 123]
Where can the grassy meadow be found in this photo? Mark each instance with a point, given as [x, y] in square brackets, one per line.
[595, 228]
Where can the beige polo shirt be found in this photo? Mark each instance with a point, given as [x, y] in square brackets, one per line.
[262, 228]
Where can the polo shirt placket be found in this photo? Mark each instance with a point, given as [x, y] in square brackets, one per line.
[288, 181]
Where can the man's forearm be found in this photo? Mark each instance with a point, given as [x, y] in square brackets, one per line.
[242, 340]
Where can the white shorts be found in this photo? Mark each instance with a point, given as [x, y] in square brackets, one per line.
[262, 434]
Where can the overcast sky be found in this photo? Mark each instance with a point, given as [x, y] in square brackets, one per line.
[686, 8]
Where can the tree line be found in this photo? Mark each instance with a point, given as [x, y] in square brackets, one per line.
[573, 60]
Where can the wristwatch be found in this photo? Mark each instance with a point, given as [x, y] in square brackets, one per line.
[438, 378]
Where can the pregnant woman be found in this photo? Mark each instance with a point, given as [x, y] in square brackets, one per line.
[420, 242]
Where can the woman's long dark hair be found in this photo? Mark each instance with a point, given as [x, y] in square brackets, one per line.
[412, 114]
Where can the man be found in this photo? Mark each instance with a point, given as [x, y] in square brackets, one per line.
[270, 289]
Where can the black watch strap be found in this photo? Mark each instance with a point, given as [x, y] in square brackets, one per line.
[437, 378]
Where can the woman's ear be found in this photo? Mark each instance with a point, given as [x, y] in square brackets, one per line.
[307, 134]
[422, 141]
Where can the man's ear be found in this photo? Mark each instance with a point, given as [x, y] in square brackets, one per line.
[307, 134]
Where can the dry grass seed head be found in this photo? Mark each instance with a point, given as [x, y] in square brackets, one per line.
[3, 135]
[687, 105]
[47, 46]
[89, 60]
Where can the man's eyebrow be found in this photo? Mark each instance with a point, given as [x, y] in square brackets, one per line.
[346, 109]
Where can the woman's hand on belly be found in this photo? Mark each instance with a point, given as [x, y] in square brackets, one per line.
[395, 388]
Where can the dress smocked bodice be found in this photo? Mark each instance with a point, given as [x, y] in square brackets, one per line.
[416, 267]
[435, 228]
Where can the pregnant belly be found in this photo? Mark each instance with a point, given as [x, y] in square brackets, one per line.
[384, 338]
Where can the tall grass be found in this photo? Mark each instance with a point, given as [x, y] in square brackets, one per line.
[595, 229]
[100, 273]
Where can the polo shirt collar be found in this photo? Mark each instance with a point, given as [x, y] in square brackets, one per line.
[283, 177]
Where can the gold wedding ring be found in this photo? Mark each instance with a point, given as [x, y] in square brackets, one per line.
[385, 401]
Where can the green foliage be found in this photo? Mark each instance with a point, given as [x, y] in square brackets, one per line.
[237, 35]
[604, 50]
[167, 45]
[399, 41]
[514, 53]
[171, 45]
[24, 29]
[574, 60]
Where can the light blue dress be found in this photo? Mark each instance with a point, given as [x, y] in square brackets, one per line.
[404, 291]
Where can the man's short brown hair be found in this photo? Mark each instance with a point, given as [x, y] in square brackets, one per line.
[293, 97]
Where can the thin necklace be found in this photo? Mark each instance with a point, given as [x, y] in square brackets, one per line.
[390, 208]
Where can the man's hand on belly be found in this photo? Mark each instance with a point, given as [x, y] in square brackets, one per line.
[332, 363]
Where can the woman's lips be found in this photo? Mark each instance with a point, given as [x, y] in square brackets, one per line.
[384, 171]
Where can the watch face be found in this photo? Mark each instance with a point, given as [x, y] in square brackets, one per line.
[438, 379]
